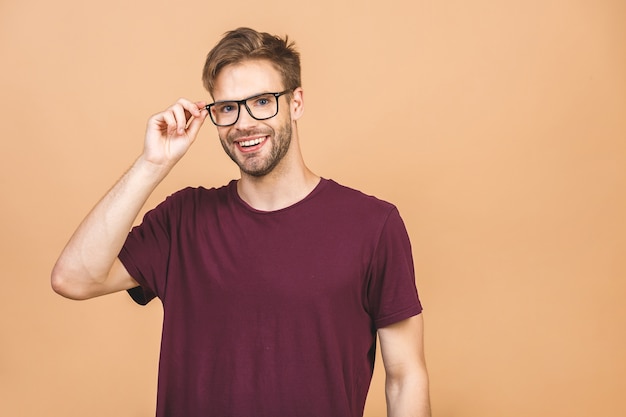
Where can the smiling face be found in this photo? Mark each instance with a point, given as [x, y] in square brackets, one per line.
[256, 146]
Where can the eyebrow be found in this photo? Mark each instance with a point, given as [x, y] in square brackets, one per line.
[244, 99]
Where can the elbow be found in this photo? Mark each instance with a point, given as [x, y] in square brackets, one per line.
[57, 281]
[408, 395]
[63, 285]
[414, 380]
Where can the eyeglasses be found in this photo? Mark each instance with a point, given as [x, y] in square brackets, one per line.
[260, 107]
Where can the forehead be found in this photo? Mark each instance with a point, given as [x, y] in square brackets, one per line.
[245, 79]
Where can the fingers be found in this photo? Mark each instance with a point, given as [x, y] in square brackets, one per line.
[176, 120]
[170, 133]
[197, 121]
[184, 111]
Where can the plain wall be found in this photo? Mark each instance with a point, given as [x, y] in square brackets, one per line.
[498, 128]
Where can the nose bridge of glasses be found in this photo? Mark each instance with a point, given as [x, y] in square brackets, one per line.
[248, 108]
[243, 117]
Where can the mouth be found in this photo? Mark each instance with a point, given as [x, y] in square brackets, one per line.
[250, 144]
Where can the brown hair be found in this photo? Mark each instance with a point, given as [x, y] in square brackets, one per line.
[243, 44]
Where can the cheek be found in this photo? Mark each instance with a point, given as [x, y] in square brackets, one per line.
[223, 133]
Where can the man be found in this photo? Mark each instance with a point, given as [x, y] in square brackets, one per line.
[273, 286]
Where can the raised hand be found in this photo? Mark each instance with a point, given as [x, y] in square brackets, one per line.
[170, 133]
[88, 266]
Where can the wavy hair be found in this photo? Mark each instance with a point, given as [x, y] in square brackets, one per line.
[244, 44]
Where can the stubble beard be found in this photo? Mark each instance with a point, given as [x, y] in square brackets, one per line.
[253, 165]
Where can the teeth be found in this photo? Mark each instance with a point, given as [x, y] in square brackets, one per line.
[252, 142]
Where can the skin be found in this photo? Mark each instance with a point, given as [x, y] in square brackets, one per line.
[273, 176]
[290, 180]
[406, 383]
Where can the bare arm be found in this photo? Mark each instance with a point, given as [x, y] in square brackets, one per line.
[406, 385]
[88, 266]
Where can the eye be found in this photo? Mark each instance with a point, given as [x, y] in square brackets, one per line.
[225, 108]
[262, 101]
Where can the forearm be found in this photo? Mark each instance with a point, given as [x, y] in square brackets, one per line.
[408, 395]
[87, 266]
[86, 260]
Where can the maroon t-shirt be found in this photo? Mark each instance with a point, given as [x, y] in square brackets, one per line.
[271, 313]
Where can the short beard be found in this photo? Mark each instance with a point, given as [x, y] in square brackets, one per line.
[281, 142]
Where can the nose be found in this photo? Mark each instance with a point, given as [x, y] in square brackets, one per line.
[245, 119]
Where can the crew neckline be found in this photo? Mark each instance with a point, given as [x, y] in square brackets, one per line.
[232, 186]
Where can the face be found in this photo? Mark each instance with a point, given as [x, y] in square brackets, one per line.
[256, 146]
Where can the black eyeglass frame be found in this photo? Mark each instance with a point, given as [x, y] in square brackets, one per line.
[245, 103]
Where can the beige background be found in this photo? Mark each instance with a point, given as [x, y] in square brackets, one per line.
[497, 127]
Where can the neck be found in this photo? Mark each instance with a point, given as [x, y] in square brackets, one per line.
[289, 182]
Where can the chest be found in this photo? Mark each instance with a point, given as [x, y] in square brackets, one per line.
[302, 264]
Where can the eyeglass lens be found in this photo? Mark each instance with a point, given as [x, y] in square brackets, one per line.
[263, 106]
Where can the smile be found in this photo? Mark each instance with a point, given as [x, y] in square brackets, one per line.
[251, 142]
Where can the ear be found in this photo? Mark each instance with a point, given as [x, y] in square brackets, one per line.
[297, 103]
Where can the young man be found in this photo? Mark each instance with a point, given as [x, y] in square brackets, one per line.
[273, 286]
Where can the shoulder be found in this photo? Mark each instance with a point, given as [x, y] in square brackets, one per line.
[355, 199]
[197, 195]
[346, 207]
[189, 200]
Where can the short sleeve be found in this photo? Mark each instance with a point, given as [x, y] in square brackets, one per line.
[146, 252]
[392, 294]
